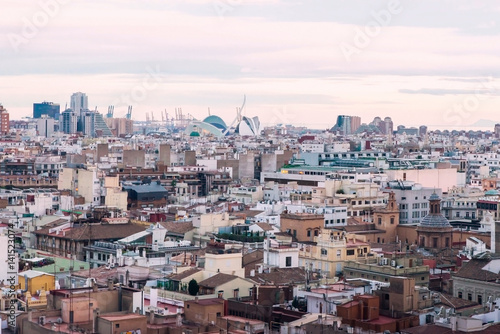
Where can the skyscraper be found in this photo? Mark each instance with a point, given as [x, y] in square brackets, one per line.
[50, 109]
[69, 122]
[79, 103]
[347, 124]
[88, 123]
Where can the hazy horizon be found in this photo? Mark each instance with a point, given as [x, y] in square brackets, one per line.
[304, 63]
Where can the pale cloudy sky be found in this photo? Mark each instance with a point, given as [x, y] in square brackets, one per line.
[303, 62]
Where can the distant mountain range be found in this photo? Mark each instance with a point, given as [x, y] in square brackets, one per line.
[485, 123]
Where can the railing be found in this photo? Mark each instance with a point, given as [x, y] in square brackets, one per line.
[386, 269]
[27, 182]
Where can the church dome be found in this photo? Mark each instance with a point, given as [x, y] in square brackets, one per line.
[435, 221]
[435, 218]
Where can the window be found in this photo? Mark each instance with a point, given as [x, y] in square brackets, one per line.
[392, 220]
[480, 299]
[288, 261]
[469, 296]
[350, 252]
[316, 232]
[236, 293]
[308, 233]
[339, 253]
[380, 220]
[324, 251]
[460, 294]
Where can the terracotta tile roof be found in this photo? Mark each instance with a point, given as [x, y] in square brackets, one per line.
[281, 276]
[474, 270]
[264, 226]
[456, 303]
[178, 227]
[184, 274]
[97, 232]
[254, 257]
[217, 280]
[101, 274]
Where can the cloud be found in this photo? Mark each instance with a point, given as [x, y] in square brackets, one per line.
[441, 91]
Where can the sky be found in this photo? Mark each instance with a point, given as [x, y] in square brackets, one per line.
[433, 62]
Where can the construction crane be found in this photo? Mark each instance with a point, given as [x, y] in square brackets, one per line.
[111, 110]
[129, 112]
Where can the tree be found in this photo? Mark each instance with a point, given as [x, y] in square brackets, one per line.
[193, 287]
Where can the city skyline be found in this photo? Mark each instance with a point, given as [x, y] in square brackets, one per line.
[295, 62]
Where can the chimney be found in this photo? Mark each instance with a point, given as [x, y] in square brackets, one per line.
[110, 284]
[179, 320]
[196, 299]
[151, 316]
[96, 314]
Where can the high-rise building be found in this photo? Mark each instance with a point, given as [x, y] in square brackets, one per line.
[347, 124]
[79, 103]
[120, 126]
[497, 130]
[88, 123]
[69, 121]
[388, 126]
[50, 109]
[355, 123]
[45, 126]
[100, 127]
[4, 120]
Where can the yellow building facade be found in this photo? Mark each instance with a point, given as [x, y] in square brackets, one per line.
[331, 249]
